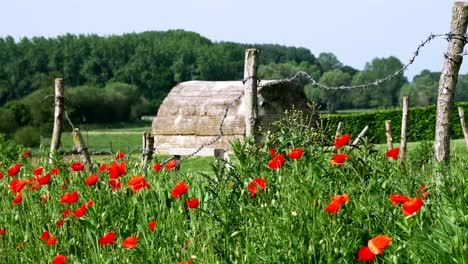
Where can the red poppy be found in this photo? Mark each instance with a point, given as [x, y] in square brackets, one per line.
[77, 166]
[115, 184]
[341, 141]
[17, 185]
[44, 180]
[45, 198]
[339, 159]
[193, 203]
[412, 206]
[55, 171]
[179, 190]
[59, 259]
[18, 198]
[1, 175]
[152, 225]
[136, 183]
[92, 180]
[51, 241]
[171, 164]
[393, 153]
[256, 185]
[69, 198]
[273, 153]
[66, 212]
[398, 198]
[89, 204]
[59, 223]
[14, 170]
[421, 188]
[336, 202]
[277, 162]
[157, 167]
[130, 242]
[108, 238]
[364, 254]
[378, 244]
[102, 168]
[38, 171]
[295, 153]
[117, 169]
[81, 211]
[2, 231]
[343, 198]
[119, 155]
[27, 154]
[188, 262]
[45, 235]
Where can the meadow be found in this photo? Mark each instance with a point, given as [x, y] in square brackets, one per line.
[297, 204]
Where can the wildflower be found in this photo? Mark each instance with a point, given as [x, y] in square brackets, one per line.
[339, 159]
[277, 162]
[115, 184]
[1, 175]
[89, 204]
[364, 254]
[117, 169]
[44, 180]
[295, 153]
[255, 185]
[136, 183]
[418, 191]
[273, 153]
[55, 171]
[14, 170]
[2, 231]
[108, 238]
[378, 244]
[157, 167]
[59, 223]
[336, 202]
[45, 235]
[66, 212]
[27, 154]
[179, 190]
[51, 241]
[341, 141]
[102, 168]
[412, 206]
[77, 166]
[81, 211]
[92, 180]
[393, 153]
[398, 198]
[18, 198]
[69, 198]
[171, 164]
[152, 225]
[17, 185]
[193, 203]
[38, 171]
[130, 242]
[119, 155]
[59, 259]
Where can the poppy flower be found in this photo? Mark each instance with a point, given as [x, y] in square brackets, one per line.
[117, 169]
[59, 223]
[45, 198]
[14, 170]
[17, 185]
[89, 204]
[108, 238]
[336, 202]
[102, 168]
[136, 183]
[55, 171]
[45, 235]
[295, 153]
[179, 190]
[66, 212]
[171, 164]
[27, 154]
[115, 184]
[69, 198]
[18, 198]
[341, 141]
[157, 167]
[193, 203]
[59, 259]
[1, 175]
[51, 241]
[2, 231]
[418, 191]
[188, 262]
[277, 162]
[130, 242]
[398, 198]
[77, 166]
[44, 180]
[339, 159]
[81, 211]
[273, 153]
[38, 171]
[119, 155]
[152, 225]
[364, 254]
[256, 185]
[378, 244]
[412, 206]
[91, 180]
[393, 153]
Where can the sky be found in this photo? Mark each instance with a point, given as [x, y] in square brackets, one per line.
[356, 31]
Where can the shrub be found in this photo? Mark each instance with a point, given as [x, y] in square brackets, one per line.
[7, 121]
[27, 136]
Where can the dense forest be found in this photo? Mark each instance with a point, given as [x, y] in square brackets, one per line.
[119, 78]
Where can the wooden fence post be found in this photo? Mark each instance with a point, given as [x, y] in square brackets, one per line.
[404, 125]
[461, 113]
[250, 92]
[361, 135]
[58, 114]
[82, 148]
[388, 133]
[148, 147]
[339, 129]
[448, 83]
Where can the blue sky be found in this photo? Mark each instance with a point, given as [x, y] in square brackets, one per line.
[355, 31]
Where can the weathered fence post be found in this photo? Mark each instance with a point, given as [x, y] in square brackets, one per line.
[448, 83]
[404, 125]
[339, 129]
[82, 148]
[58, 113]
[250, 92]
[461, 113]
[361, 135]
[388, 133]
[148, 147]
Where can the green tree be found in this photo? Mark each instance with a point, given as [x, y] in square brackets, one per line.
[335, 99]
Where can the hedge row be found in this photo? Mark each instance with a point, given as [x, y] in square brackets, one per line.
[421, 123]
